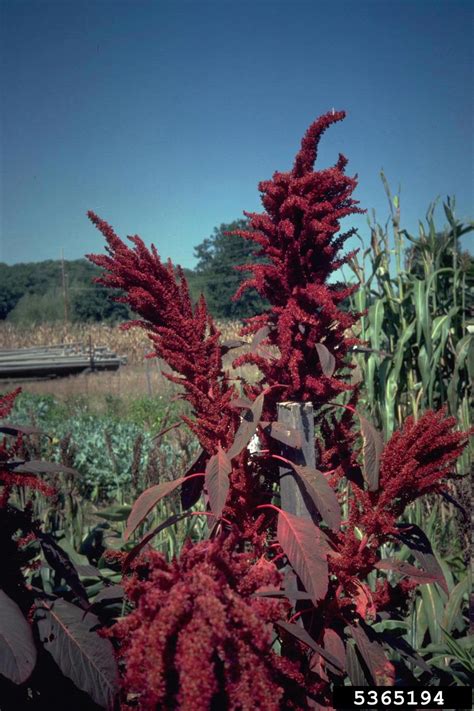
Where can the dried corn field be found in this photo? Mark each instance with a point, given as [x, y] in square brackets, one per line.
[133, 343]
[140, 377]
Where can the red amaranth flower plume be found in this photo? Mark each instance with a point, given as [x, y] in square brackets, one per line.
[199, 638]
[185, 337]
[296, 236]
[417, 458]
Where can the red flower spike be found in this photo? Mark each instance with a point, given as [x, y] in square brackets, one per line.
[185, 337]
[417, 458]
[197, 619]
[296, 235]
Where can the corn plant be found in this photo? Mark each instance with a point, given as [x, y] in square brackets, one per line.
[418, 298]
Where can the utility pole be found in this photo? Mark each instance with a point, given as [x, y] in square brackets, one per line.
[65, 294]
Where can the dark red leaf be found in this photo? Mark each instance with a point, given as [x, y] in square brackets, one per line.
[327, 360]
[363, 600]
[400, 566]
[11, 429]
[451, 500]
[334, 645]
[35, 466]
[260, 336]
[405, 650]
[306, 547]
[17, 647]
[284, 593]
[418, 542]
[61, 564]
[355, 668]
[147, 501]
[81, 654]
[373, 654]
[321, 493]
[239, 402]
[247, 427]
[303, 636]
[217, 481]
[111, 592]
[232, 343]
[88, 571]
[191, 490]
[357, 375]
[284, 434]
[371, 453]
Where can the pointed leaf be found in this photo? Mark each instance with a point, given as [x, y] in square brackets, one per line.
[11, 429]
[37, 467]
[302, 635]
[232, 343]
[306, 548]
[321, 493]
[241, 402]
[371, 452]
[147, 501]
[260, 336]
[217, 481]
[284, 434]
[81, 654]
[405, 650]
[247, 427]
[373, 654]
[355, 669]
[411, 571]
[334, 645]
[111, 592]
[417, 541]
[191, 490]
[61, 563]
[115, 513]
[327, 360]
[17, 647]
[357, 375]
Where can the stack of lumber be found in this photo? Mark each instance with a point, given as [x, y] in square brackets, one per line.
[53, 361]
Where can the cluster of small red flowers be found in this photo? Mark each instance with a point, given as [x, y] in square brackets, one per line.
[199, 638]
[296, 235]
[417, 458]
[415, 462]
[185, 337]
[393, 597]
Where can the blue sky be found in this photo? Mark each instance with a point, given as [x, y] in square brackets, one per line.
[163, 116]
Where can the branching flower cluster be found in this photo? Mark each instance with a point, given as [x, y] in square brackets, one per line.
[182, 335]
[200, 636]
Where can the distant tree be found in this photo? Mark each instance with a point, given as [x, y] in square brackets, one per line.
[215, 274]
[95, 303]
[10, 291]
[38, 308]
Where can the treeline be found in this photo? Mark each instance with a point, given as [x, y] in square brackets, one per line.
[53, 290]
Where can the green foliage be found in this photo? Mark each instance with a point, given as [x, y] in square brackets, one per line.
[35, 293]
[104, 443]
[95, 304]
[418, 314]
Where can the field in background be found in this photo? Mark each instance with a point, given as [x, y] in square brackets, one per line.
[133, 343]
[141, 377]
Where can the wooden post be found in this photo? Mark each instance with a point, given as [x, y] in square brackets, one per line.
[299, 416]
[64, 285]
